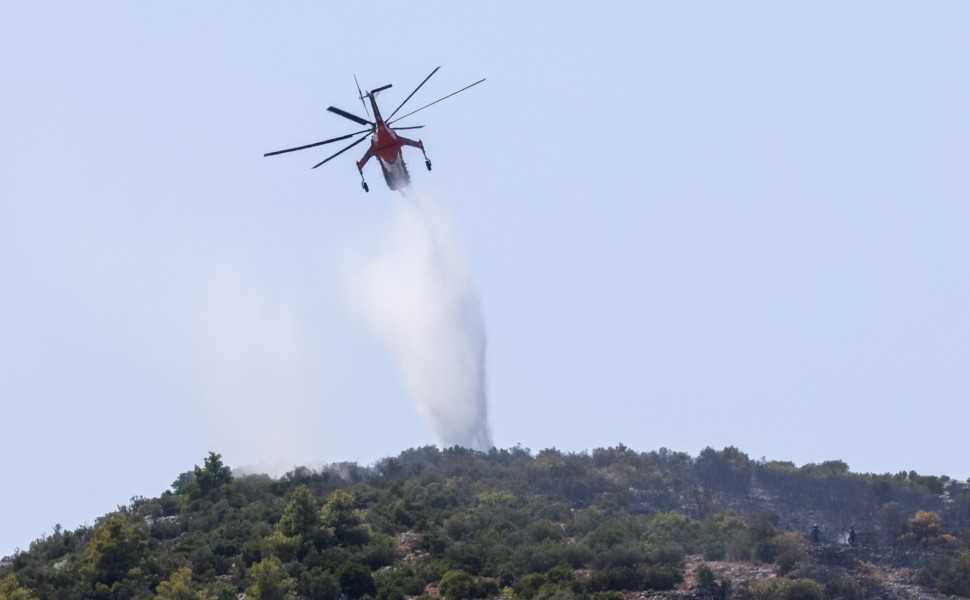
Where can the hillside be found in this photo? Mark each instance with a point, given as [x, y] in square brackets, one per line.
[612, 524]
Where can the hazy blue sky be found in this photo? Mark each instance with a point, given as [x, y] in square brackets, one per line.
[689, 225]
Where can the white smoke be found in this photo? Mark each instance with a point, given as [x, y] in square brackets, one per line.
[417, 296]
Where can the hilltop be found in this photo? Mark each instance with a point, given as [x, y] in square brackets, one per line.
[611, 524]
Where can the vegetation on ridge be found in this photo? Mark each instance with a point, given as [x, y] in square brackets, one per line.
[463, 525]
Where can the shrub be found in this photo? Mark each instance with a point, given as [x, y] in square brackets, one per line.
[780, 588]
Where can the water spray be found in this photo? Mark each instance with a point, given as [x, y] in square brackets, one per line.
[418, 298]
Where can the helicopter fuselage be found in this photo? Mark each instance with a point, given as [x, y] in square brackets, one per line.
[386, 147]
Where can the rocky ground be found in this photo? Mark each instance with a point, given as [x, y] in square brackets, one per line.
[877, 583]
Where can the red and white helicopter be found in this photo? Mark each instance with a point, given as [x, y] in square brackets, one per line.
[385, 143]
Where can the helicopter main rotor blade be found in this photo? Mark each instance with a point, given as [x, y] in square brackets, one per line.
[411, 127]
[339, 153]
[413, 93]
[336, 139]
[361, 94]
[437, 101]
[348, 115]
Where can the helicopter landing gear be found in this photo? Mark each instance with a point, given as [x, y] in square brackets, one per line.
[427, 163]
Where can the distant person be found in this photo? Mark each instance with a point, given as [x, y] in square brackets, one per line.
[852, 536]
[816, 534]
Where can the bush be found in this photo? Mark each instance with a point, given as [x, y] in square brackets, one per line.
[456, 585]
[949, 574]
[317, 584]
[788, 552]
[270, 580]
[844, 588]
[659, 577]
[780, 588]
[926, 529]
[356, 580]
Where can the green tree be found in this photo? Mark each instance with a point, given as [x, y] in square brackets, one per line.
[390, 593]
[301, 516]
[208, 480]
[270, 581]
[179, 586]
[283, 547]
[730, 469]
[10, 589]
[181, 484]
[926, 529]
[341, 517]
[116, 547]
[456, 585]
[317, 584]
[671, 529]
[298, 529]
[356, 580]
[723, 534]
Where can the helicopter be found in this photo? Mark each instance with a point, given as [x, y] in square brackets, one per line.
[385, 144]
